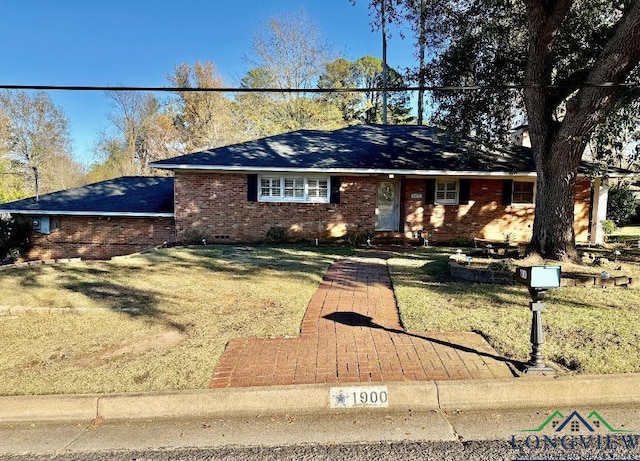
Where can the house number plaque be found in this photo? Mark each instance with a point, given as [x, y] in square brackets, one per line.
[416, 195]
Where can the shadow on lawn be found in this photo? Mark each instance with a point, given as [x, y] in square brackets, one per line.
[122, 299]
[243, 262]
[355, 319]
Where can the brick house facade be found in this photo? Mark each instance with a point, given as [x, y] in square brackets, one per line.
[98, 237]
[215, 207]
[387, 181]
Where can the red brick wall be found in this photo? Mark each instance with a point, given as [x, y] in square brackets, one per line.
[215, 206]
[484, 217]
[99, 237]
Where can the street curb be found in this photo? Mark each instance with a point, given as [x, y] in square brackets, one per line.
[526, 392]
[540, 391]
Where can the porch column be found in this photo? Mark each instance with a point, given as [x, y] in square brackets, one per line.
[598, 210]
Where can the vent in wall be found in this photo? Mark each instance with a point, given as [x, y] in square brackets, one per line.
[221, 237]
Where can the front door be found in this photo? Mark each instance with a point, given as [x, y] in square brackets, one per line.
[388, 206]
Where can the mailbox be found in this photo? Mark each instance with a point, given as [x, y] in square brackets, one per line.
[540, 277]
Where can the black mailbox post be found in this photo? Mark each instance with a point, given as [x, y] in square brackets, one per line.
[538, 279]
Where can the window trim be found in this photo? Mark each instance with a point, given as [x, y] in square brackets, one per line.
[306, 198]
[446, 201]
[513, 192]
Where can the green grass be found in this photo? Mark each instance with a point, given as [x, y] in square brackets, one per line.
[158, 321]
[626, 235]
[590, 330]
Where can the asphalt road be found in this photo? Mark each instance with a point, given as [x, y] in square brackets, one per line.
[525, 434]
[406, 451]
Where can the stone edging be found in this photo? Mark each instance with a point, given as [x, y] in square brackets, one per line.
[464, 273]
[39, 262]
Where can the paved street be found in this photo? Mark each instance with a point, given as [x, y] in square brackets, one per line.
[380, 451]
[345, 434]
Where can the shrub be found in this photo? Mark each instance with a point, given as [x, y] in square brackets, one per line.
[14, 237]
[608, 226]
[277, 234]
[621, 205]
[500, 266]
[194, 237]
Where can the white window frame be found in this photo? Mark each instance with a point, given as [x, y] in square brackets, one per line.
[446, 201]
[513, 193]
[289, 184]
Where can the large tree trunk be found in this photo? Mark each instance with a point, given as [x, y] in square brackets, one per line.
[553, 231]
[559, 136]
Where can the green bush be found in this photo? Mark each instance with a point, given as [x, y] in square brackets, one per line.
[608, 226]
[500, 266]
[194, 237]
[277, 234]
[621, 205]
[14, 237]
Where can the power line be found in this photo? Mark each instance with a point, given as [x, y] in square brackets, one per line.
[313, 90]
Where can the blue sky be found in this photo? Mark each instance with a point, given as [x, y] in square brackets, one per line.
[139, 42]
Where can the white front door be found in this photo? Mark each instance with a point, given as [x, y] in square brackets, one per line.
[388, 206]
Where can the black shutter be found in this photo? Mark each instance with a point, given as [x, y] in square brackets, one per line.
[430, 194]
[252, 187]
[507, 191]
[465, 191]
[334, 196]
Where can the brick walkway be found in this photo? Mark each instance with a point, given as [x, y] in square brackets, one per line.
[351, 333]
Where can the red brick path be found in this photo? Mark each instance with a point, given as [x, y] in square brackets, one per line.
[351, 333]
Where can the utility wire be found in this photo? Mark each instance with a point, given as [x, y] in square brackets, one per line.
[312, 90]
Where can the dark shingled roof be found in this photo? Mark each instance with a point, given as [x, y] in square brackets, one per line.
[382, 148]
[126, 196]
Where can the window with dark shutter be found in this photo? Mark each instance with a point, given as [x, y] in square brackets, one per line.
[335, 189]
[507, 191]
[252, 187]
[465, 191]
[430, 192]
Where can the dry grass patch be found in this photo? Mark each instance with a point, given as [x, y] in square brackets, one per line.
[157, 322]
[591, 330]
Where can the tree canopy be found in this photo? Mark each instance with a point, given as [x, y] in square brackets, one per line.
[34, 146]
[569, 59]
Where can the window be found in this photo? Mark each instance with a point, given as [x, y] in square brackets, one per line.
[318, 188]
[523, 192]
[270, 187]
[294, 189]
[447, 192]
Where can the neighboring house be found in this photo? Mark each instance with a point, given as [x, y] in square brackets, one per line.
[100, 220]
[391, 180]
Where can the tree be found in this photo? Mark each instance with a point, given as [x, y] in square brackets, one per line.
[35, 141]
[288, 53]
[146, 132]
[205, 119]
[366, 107]
[258, 111]
[621, 205]
[570, 56]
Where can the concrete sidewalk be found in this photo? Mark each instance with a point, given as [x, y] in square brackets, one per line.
[351, 333]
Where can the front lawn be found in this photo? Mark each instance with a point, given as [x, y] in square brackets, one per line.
[151, 322]
[591, 330]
